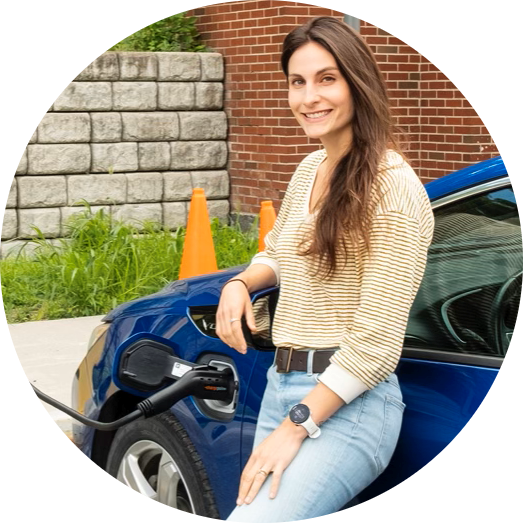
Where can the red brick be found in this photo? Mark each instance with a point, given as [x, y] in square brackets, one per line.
[256, 100]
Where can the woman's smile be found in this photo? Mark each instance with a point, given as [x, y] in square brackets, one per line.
[320, 97]
[318, 116]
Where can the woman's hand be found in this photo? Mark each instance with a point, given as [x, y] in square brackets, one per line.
[234, 303]
[274, 454]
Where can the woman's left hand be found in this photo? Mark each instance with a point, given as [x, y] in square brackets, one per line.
[274, 454]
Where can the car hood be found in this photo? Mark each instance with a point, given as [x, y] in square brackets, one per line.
[189, 292]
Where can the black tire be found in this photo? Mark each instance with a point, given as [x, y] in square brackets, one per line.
[160, 438]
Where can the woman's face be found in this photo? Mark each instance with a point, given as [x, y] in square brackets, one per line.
[319, 95]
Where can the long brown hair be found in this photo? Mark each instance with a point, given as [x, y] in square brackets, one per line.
[345, 209]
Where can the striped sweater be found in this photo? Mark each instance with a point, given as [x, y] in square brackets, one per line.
[362, 309]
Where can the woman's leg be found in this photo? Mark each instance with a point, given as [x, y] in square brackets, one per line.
[355, 446]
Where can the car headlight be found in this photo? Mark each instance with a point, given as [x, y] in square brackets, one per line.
[81, 387]
[98, 332]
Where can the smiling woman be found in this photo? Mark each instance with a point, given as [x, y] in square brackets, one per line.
[330, 68]
[348, 250]
[320, 97]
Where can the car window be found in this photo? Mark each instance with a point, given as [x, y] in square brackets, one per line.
[468, 299]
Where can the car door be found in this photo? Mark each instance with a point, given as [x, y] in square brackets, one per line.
[460, 324]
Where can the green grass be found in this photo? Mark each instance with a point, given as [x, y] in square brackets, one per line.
[103, 263]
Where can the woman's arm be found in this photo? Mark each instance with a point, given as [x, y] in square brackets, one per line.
[235, 302]
[258, 276]
[278, 450]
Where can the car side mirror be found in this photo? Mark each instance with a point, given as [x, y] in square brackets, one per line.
[263, 308]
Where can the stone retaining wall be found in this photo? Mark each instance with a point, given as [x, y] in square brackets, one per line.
[134, 133]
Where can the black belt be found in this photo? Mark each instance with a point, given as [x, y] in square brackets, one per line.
[288, 359]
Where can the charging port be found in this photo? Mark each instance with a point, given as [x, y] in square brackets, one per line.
[147, 365]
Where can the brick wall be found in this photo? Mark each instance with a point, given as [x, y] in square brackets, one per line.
[265, 142]
[445, 132]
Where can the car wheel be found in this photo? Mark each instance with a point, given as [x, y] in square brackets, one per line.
[156, 457]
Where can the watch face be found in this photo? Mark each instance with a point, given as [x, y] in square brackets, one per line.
[299, 413]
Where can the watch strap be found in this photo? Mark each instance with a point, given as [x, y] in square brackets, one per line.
[312, 429]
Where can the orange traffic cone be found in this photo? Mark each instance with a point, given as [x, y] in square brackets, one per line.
[267, 219]
[198, 249]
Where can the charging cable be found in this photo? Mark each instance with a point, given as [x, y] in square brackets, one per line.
[202, 381]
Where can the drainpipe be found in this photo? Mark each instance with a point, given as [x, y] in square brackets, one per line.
[352, 21]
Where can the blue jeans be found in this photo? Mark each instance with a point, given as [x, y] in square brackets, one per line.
[354, 447]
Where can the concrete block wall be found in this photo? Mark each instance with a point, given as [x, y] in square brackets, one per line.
[134, 133]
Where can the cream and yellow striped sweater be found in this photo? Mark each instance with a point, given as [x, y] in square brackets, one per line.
[364, 308]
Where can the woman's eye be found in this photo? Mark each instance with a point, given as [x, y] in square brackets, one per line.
[299, 81]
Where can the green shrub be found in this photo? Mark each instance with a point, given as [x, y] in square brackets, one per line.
[174, 33]
[103, 263]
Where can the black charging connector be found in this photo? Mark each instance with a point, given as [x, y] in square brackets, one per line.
[201, 381]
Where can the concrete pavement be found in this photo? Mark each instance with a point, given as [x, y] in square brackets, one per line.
[50, 352]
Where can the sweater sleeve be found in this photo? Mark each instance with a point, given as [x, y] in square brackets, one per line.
[342, 382]
[371, 346]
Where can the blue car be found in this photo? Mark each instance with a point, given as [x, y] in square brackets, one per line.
[191, 456]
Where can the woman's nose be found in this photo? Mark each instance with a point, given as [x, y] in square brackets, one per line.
[311, 95]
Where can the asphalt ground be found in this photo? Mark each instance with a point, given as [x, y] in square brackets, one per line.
[50, 352]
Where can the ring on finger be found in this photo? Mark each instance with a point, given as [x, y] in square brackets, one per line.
[261, 471]
[234, 319]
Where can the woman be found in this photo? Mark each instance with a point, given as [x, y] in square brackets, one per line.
[348, 251]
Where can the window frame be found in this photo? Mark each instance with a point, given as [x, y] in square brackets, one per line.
[443, 356]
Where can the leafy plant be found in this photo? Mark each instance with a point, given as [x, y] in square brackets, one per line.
[105, 262]
[174, 33]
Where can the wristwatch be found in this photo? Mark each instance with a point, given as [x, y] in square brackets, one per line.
[300, 414]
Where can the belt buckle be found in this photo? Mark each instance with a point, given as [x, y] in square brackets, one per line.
[288, 363]
[288, 366]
